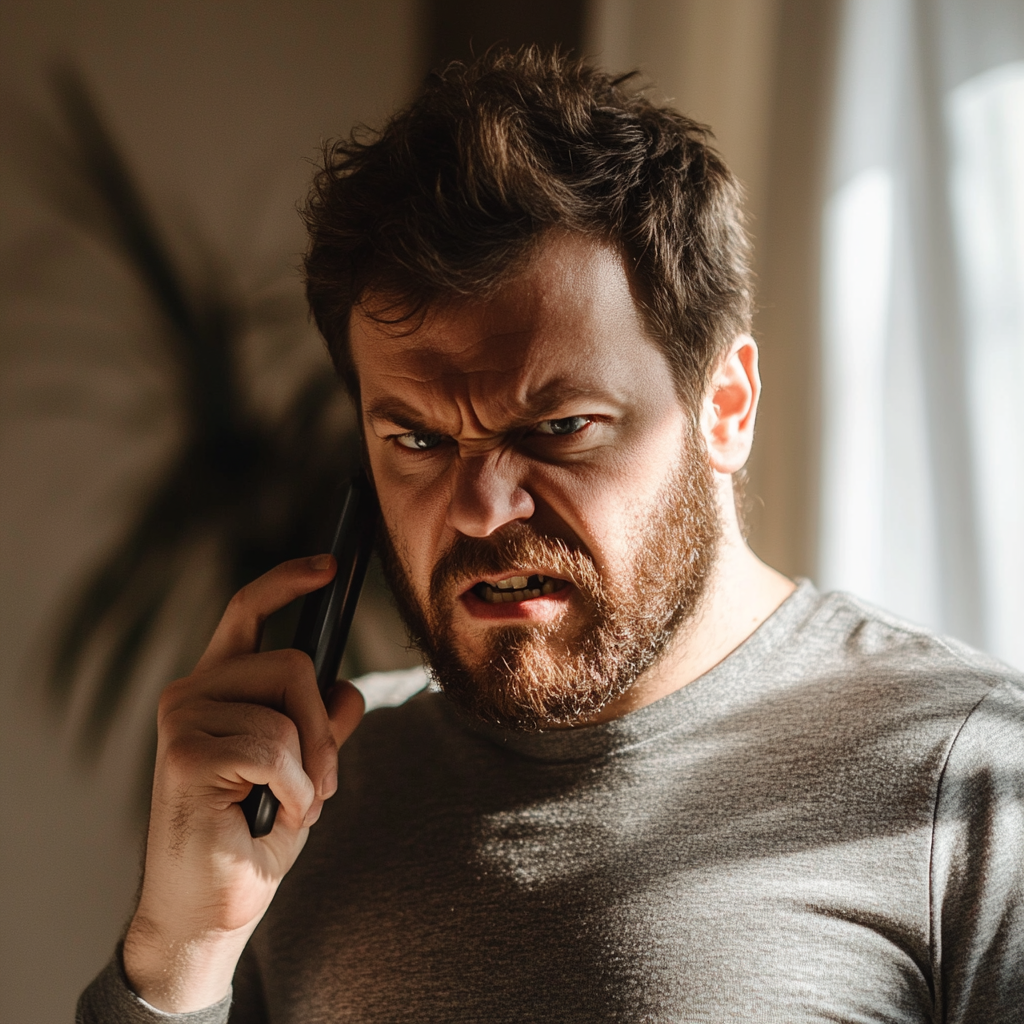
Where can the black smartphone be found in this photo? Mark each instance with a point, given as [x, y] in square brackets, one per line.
[326, 618]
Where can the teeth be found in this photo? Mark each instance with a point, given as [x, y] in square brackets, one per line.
[512, 583]
[509, 595]
[517, 588]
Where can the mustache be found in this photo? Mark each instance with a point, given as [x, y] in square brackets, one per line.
[517, 546]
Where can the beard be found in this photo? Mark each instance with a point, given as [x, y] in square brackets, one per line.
[537, 676]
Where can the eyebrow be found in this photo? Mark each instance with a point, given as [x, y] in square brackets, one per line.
[558, 391]
[394, 410]
[544, 400]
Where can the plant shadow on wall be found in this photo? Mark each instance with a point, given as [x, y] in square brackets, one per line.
[244, 487]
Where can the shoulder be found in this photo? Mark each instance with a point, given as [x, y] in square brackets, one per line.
[857, 641]
[876, 694]
[391, 689]
[987, 753]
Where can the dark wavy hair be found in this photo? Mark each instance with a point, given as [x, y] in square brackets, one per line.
[448, 199]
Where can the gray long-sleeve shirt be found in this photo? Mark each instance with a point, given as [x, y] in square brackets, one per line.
[828, 826]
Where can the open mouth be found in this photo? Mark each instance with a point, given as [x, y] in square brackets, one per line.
[517, 588]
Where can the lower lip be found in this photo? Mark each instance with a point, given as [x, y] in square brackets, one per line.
[533, 609]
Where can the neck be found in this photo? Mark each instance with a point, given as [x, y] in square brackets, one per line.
[741, 594]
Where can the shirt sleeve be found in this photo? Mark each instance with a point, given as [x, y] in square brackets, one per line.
[977, 872]
[109, 1000]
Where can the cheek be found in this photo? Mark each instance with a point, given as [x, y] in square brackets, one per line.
[607, 501]
[415, 522]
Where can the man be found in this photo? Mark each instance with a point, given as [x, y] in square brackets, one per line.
[661, 782]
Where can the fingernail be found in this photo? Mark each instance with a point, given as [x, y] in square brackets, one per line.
[330, 784]
[312, 815]
[320, 562]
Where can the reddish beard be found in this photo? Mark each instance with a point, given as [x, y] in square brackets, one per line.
[535, 676]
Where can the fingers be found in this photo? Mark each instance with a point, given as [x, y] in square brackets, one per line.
[241, 625]
[226, 748]
[281, 681]
[345, 707]
[221, 769]
[245, 718]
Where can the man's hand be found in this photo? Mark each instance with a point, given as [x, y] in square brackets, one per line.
[239, 719]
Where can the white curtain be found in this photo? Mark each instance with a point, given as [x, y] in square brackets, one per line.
[922, 483]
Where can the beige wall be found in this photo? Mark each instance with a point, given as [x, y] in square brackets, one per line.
[759, 72]
[220, 105]
[710, 58]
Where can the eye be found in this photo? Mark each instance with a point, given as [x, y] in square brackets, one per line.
[566, 425]
[418, 441]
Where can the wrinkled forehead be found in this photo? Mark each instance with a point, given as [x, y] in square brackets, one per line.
[569, 321]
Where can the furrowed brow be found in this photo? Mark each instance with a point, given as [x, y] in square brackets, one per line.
[536, 406]
[558, 393]
[393, 410]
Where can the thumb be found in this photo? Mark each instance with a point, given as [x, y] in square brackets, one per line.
[345, 706]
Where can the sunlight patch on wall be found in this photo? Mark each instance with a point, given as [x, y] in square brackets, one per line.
[857, 275]
[986, 125]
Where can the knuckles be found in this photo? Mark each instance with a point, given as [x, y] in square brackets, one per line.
[261, 752]
[292, 663]
[184, 755]
[204, 733]
[173, 696]
[286, 666]
[191, 758]
[241, 603]
[279, 730]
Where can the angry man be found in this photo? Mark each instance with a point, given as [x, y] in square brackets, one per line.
[654, 779]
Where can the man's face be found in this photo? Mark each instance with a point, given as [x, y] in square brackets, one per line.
[548, 505]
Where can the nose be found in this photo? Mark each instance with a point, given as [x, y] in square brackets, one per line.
[487, 493]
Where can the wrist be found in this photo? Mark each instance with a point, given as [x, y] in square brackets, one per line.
[180, 973]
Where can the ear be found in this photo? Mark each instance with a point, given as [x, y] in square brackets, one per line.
[730, 405]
